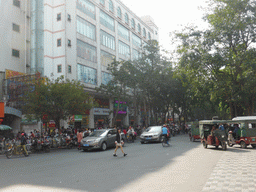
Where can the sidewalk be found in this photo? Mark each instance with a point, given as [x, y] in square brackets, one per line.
[235, 171]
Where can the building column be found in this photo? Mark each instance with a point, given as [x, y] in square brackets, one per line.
[91, 118]
[111, 108]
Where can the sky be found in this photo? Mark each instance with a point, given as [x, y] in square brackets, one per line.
[169, 15]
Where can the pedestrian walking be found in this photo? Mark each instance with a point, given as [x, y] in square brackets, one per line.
[119, 142]
[79, 139]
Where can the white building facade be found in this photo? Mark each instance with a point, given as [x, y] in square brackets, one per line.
[74, 38]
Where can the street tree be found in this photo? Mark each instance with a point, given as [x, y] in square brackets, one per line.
[220, 61]
[56, 99]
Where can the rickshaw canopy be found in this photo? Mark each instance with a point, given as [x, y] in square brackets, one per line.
[209, 123]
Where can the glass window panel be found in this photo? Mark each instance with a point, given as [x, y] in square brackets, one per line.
[144, 32]
[85, 28]
[106, 77]
[86, 51]
[119, 12]
[111, 6]
[133, 23]
[123, 32]
[86, 74]
[123, 49]
[135, 54]
[107, 40]
[107, 21]
[106, 58]
[139, 28]
[102, 2]
[126, 18]
[136, 40]
[149, 36]
[86, 7]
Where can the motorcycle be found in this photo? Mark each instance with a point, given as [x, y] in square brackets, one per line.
[14, 148]
[38, 145]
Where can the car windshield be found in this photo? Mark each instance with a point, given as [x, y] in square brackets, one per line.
[153, 129]
[98, 134]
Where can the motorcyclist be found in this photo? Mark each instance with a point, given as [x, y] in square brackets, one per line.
[165, 133]
[130, 132]
[23, 143]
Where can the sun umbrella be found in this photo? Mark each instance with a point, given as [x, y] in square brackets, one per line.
[5, 127]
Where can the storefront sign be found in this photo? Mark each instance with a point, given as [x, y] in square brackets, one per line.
[122, 107]
[100, 111]
[52, 124]
[78, 117]
[1, 109]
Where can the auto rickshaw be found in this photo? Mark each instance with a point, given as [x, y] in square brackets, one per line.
[194, 131]
[211, 135]
[243, 131]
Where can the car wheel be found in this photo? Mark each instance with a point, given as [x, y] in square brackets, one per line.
[103, 146]
[85, 150]
[253, 146]
[142, 142]
[217, 146]
[243, 145]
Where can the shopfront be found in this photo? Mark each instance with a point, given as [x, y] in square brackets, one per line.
[122, 113]
[101, 113]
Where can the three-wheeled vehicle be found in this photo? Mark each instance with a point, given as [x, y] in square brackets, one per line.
[242, 131]
[194, 131]
[211, 135]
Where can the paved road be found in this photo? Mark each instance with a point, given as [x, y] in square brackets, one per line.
[184, 166]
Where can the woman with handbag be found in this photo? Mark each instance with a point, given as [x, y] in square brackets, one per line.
[119, 143]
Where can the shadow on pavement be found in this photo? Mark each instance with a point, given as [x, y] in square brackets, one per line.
[96, 170]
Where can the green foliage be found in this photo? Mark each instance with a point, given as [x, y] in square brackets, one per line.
[219, 62]
[57, 99]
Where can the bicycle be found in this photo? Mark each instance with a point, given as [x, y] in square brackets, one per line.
[164, 142]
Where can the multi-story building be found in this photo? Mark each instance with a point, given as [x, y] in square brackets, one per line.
[14, 49]
[78, 39]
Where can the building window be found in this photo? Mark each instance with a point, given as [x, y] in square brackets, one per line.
[135, 54]
[69, 17]
[69, 69]
[149, 36]
[111, 6]
[69, 43]
[15, 53]
[86, 7]
[106, 77]
[107, 40]
[86, 51]
[106, 58]
[102, 2]
[58, 42]
[86, 74]
[59, 17]
[59, 68]
[123, 49]
[119, 12]
[85, 28]
[144, 32]
[15, 27]
[133, 23]
[136, 40]
[156, 32]
[126, 18]
[123, 32]
[16, 3]
[107, 21]
[139, 28]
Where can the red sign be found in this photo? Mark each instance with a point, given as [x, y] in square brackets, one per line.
[52, 124]
[1, 109]
[1, 120]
